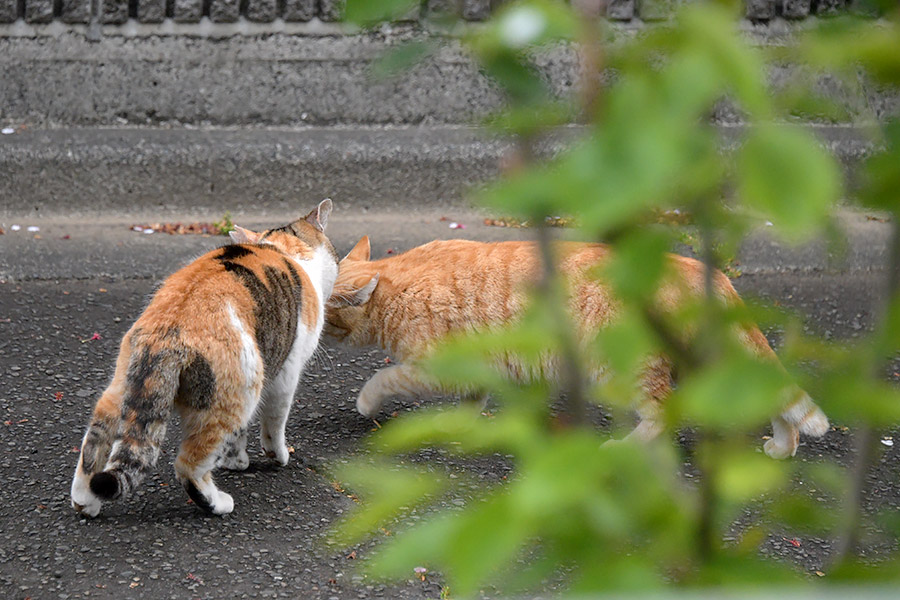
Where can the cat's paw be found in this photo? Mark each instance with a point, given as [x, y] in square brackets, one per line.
[222, 503]
[777, 450]
[90, 508]
[280, 454]
[83, 499]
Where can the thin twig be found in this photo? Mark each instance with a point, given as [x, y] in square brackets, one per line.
[867, 451]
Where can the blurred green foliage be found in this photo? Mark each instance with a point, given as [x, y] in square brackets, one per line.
[594, 517]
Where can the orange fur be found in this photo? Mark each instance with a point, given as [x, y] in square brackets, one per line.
[409, 302]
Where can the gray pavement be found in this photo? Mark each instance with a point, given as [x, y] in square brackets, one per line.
[55, 292]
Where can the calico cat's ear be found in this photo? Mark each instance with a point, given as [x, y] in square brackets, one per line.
[239, 235]
[361, 251]
[318, 218]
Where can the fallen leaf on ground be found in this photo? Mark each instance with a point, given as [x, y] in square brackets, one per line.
[180, 228]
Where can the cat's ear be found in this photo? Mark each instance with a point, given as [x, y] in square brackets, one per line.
[239, 235]
[361, 251]
[362, 295]
[318, 217]
[354, 296]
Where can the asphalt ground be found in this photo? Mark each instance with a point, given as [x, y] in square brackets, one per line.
[56, 292]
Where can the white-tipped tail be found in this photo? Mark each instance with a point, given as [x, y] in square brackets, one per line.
[806, 416]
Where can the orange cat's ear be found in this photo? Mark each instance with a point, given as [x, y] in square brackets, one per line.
[318, 218]
[354, 296]
[363, 294]
[239, 235]
[361, 251]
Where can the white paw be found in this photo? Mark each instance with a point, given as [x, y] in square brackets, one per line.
[223, 504]
[83, 499]
[779, 451]
[280, 454]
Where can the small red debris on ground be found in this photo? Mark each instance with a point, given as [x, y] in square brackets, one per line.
[443, 219]
[66, 237]
[93, 338]
[352, 555]
[455, 225]
[389, 251]
[387, 361]
[193, 577]
[58, 395]
[792, 542]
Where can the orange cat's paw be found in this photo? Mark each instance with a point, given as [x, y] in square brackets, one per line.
[774, 449]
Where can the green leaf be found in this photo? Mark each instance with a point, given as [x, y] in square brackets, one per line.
[371, 12]
[637, 265]
[387, 491]
[402, 58]
[783, 172]
[746, 475]
[738, 392]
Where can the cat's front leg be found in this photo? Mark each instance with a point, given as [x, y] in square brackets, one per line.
[398, 380]
[273, 417]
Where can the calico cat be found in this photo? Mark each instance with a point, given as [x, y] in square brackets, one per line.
[222, 337]
[405, 303]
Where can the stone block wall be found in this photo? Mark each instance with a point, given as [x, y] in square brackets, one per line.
[265, 11]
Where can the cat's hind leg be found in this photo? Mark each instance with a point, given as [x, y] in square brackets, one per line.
[402, 380]
[95, 449]
[197, 458]
[655, 387]
[205, 432]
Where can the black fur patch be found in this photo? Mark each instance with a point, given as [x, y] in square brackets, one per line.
[233, 252]
[198, 498]
[105, 485]
[277, 305]
[197, 387]
[142, 394]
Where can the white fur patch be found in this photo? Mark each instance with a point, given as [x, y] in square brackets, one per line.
[250, 361]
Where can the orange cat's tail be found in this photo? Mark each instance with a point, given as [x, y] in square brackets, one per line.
[151, 384]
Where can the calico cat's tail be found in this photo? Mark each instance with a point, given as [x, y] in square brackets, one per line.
[151, 384]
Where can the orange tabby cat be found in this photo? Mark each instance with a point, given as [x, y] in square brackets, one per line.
[224, 336]
[407, 302]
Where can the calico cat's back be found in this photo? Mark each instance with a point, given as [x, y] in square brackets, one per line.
[254, 283]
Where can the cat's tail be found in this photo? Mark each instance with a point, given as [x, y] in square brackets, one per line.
[152, 382]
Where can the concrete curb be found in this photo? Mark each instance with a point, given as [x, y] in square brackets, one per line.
[151, 173]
